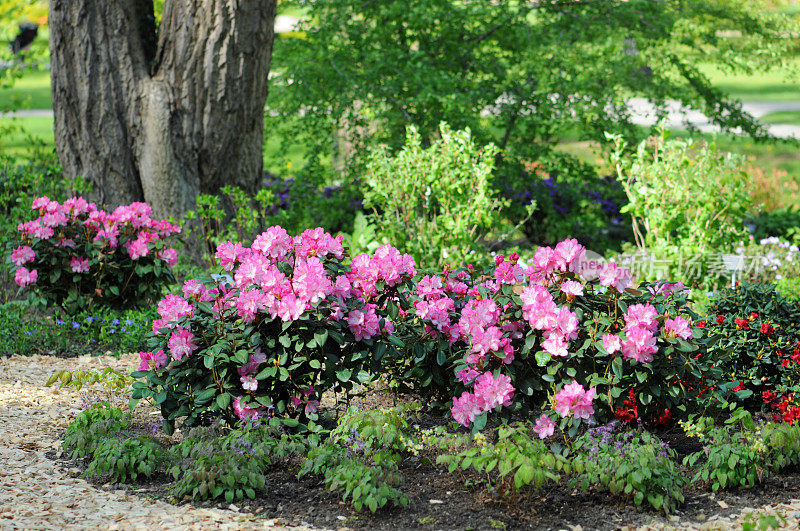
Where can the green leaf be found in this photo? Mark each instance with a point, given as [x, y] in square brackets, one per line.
[542, 358]
[344, 375]
[223, 400]
[524, 476]
[321, 337]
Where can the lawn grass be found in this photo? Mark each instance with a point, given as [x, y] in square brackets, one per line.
[783, 117]
[16, 134]
[31, 91]
[775, 85]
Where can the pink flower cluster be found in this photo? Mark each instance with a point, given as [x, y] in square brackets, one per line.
[60, 224]
[559, 325]
[678, 327]
[280, 277]
[263, 288]
[490, 391]
[573, 399]
[640, 328]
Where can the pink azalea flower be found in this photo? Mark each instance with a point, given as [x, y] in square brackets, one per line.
[556, 345]
[275, 242]
[23, 277]
[466, 375]
[22, 255]
[249, 383]
[152, 360]
[573, 399]
[137, 248]
[485, 341]
[573, 288]
[616, 277]
[494, 390]
[678, 327]
[173, 307]
[466, 408]
[508, 273]
[290, 308]
[544, 427]
[79, 265]
[612, 343]
[229, 254]
[244, 411]
[569, 253]
[181, 343]
[170, 256]
[643, 315]
[250, 303]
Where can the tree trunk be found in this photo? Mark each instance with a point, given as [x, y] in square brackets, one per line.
[161, 123]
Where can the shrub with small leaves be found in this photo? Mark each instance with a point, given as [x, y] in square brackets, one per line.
[630, 463]
[361, 458]
[515, 455]
[91, 426]
[126, 459]
[759, 335]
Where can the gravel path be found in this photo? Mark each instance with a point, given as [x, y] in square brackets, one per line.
[38, 493]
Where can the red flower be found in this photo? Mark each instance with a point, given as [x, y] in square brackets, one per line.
[742, 324]
[768, 396]
[753, 316]
[665, 419]
[700, 324]
[720, 318]
[739, 387]
[767, 329]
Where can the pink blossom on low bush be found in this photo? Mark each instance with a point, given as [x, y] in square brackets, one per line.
[544, 427]
[573, 399]
[550, 332]
[23, 277]
[85, 256]
[22, 255]
[295, 322]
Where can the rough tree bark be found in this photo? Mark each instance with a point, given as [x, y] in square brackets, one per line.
[160, 119]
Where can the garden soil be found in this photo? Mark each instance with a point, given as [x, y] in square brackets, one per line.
[41, 489]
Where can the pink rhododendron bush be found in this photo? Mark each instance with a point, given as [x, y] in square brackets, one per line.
[288, 323]
[77, 256]
[562, 335]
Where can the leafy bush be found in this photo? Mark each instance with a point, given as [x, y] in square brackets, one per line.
[515, 455]
[295, 324]
[126, 459]
[517, 339]
[631, 463]
[212, 462]
[361, 458]
[78, 257]
[435, 203]
[686, 198]
[571, 200]
[91, 426]
[759, 343]
[781, 223]
[20, 184]
[741, 456]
